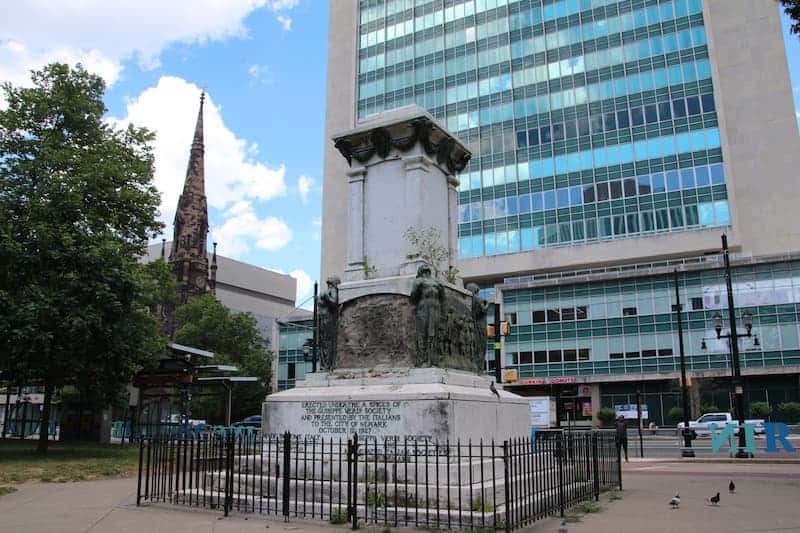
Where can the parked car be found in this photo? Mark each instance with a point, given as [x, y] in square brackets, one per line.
[250, 421]
[701, 425]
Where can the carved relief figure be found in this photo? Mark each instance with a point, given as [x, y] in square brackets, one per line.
[327, 317]
[427, 294]
[480, 308]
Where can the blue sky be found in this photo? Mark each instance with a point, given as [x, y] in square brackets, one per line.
[263, 65]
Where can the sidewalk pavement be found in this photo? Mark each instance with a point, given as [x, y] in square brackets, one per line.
[767, 499]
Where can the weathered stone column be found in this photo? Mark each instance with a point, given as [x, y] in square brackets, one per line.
[403, 176]
[355, 229]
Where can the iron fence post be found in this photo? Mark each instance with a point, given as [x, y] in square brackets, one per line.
[595, 467]
[353, 480]
[560, 459]
[228, 504]
[139, 478]
[287, 461]
[507, 491]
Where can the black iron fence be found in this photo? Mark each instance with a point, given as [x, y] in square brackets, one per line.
[393, 481]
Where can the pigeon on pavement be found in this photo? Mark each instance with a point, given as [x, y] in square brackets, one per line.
[563, 527]
[675, 502]
[714, 500]
[493, 389]
[731, 487]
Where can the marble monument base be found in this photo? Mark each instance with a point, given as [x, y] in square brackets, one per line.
[422, 403]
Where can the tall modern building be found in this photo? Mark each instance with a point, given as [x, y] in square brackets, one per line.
[614, 141]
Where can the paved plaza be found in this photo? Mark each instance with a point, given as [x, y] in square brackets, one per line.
[766, 499]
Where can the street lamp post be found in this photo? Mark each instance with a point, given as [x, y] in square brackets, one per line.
[733, 338]
[687, 450]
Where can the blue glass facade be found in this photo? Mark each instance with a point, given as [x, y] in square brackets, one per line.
[589, 119]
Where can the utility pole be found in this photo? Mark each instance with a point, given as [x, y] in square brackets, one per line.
[738, 385]
[498, 367]
[687, 450]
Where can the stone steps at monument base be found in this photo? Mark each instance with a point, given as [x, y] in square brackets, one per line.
[325, 490]
[546, 499]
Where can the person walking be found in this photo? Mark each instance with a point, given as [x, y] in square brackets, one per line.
[621, 436]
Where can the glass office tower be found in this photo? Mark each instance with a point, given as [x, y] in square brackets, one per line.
[613, 141]
[589, 120]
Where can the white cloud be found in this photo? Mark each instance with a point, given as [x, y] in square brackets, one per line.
[232, 174]
[304, 184]
[261, 74]
[243, 229]
[17, 60]
[285, 21]
[305, 287]
[102, 34]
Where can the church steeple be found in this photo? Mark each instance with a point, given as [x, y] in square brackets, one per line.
[188, 256]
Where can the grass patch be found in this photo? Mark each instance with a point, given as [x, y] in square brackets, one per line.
[7, 490]
[65, 461]
[614, 496]
[339, 516]
[587, 508]
[572, 518]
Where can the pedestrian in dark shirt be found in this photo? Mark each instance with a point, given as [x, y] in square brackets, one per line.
[622, 435]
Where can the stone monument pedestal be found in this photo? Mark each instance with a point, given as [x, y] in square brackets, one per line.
[430, 404]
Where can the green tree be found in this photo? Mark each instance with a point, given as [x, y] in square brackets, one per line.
[792, 9]
[77, 205]
[760, 410]
[235, 340]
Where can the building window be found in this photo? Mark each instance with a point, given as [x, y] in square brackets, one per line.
[570, 355]
[697, 304]
[615, 355]
[554, 356]
[538, 317]
[666, 352]
[583, 354]
[629, 311]
[648, 353]
[290, 371]
[525, 358]
[568, 313]
[554, 315]
[631, 355]
[540, 356]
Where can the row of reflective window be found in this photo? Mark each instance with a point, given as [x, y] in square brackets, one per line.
[646, 48]
[526, 18]
[659, 182]
[654, 148]
[673, 218]
[376, 83]
[626, 118]
[613, 88]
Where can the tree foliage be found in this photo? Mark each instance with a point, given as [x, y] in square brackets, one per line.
[77, 205]
[235, 340]
[792, 9]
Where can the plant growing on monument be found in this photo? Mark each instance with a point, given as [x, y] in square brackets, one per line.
[426, 245]
[77, 207]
